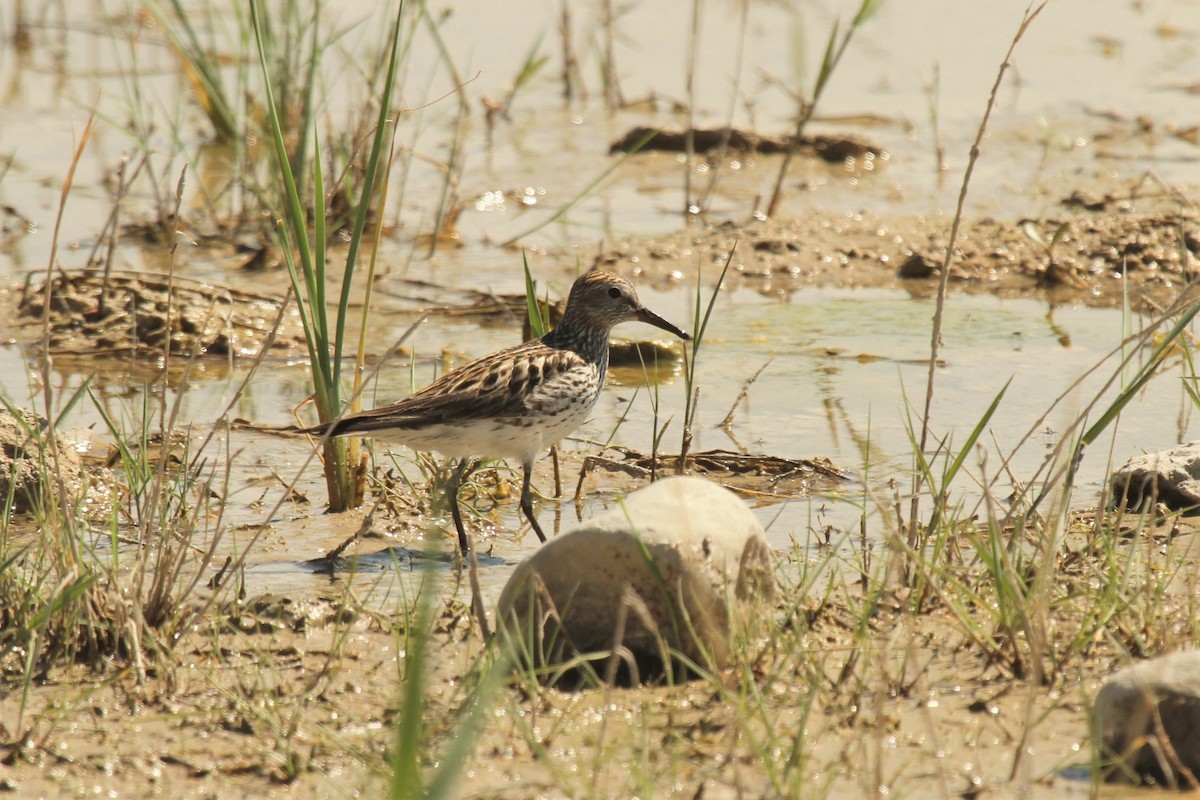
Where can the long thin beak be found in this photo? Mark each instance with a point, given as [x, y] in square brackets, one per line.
[646, 315]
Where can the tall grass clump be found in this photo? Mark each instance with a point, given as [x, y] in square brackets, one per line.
[304, 239]
[53, 608]
[220, 54]
[307, 211]
[97, 566]
[1012, 571]
[47, 608]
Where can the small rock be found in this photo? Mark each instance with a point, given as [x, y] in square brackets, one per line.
[681, 564]
[1148, 719]
[26, 457]
[917, 266]
[1171, 477]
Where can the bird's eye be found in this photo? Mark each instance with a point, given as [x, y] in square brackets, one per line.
[614, 292]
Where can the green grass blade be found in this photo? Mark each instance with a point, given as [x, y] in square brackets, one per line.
[539, 324]
[976, 432]
[199, 67]
[866, 11]
[313, 315]
[368, 188]
[320, 233]
[1142, 378]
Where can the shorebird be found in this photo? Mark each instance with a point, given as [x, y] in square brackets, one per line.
[516, 402]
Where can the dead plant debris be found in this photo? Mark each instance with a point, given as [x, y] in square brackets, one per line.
[96, 313]
[750, 474]
[834, 149]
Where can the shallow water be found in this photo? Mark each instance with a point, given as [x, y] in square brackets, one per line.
[1079, 62]
[844, 361]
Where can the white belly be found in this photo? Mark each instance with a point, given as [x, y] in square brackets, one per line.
[503, 437]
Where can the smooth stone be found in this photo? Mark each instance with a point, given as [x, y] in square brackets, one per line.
[680, 564]
[1171, 477]
[1127, 714]
[26, 462]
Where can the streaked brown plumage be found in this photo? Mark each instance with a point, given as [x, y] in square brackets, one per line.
[516, 402]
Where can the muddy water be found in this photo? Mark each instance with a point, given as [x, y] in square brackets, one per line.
[843, 362]
[1096, 88]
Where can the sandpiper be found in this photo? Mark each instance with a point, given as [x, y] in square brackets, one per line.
[517, 402]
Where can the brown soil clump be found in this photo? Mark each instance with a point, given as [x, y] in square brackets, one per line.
[94, 313]
[1085, 258]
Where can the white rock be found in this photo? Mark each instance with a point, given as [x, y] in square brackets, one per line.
[680, 564]
[1128, 711]
[1171, 477]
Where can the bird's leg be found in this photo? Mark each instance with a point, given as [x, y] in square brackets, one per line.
[456, 479]
[557, 470]
[461, 471]
[527, 501]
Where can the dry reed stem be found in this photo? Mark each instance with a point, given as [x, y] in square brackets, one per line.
[944, 278]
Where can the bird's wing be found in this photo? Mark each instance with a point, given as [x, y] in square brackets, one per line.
[512, 382]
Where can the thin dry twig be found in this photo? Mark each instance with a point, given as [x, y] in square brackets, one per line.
[944, 278]
[727, 423]
[689, 134]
